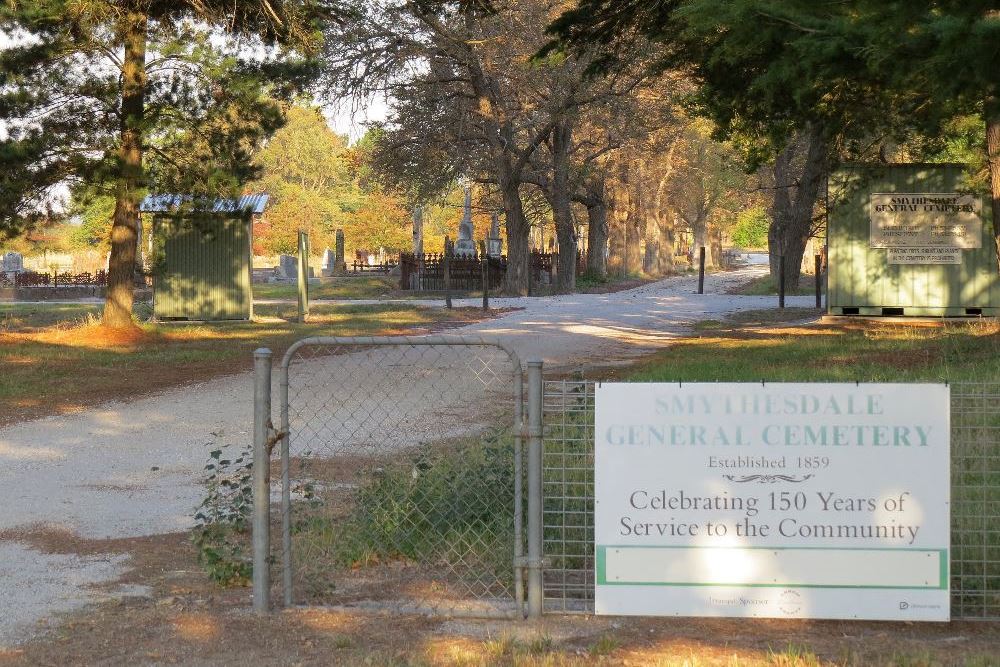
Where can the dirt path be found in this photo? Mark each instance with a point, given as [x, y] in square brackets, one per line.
[132, 469]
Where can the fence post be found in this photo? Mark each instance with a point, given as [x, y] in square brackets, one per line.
[261, 481]
[447, 278]
[781, 281]
[701, 270]
[303, 271]
[486, 282]
[819, 289]
[535, 505]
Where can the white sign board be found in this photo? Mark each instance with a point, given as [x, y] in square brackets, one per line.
[784, 500]
[938, 255]
[922, 220]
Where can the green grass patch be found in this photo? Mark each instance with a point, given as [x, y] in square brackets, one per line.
[55, 358]
[836, 353]
[438, 504]
[774, 316]
[363, 287]
[27, 316]
[768, 286]
[366, 287]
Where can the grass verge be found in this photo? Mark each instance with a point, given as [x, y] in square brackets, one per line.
[768, 286]
[848, 352]
[55, 362]
[364, 287]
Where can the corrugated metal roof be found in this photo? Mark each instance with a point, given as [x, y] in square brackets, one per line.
[254, 203]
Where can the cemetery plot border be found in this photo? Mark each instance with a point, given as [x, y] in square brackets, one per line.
[568, 491]
[400, 476]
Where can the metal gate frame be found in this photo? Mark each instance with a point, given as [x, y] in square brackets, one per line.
[265, 437]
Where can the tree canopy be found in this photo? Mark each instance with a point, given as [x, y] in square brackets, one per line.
[139, 95]
[858, 77]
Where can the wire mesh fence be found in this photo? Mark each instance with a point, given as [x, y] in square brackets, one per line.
[975, 500]
[401, 475]
[568, 487]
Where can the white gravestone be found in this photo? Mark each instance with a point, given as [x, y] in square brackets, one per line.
[287, 268]
[465, 244]
[13, 262]
[329, 263]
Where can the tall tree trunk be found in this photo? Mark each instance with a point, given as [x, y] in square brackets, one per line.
[715, 245]
[518, 230]
[125, 226]
[666, 243]
[562, 137]
[618, 225]
[635, 228]
[664, 237]
[794, 201]
[993, 155]
[699, 230]
[597, 229]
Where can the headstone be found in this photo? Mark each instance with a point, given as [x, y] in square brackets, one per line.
[328, 267]
[288, 267]
[465, 244]
[494, 244]
[418, 230]
[13, 262]
[340, 266]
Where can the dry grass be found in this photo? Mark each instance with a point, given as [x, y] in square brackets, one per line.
[185, 619]
[66, 365]
[759, 348]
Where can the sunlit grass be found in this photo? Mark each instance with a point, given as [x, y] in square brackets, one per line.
[768, 286]
[62, 358]
[366, 287]
[864, 352]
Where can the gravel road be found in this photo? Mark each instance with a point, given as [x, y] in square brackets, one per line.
[132, 469]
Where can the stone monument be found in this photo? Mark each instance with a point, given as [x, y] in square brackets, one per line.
[494, 244]
[339, 266]
[328, 266]
[465, 244]
[418, 230]
[13, 262]
[288, 267]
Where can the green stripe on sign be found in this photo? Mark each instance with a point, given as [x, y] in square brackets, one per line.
[601, 568]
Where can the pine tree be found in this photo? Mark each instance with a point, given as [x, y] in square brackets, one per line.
[132, 95]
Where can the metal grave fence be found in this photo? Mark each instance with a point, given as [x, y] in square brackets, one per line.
[400, 475]
[568, 492]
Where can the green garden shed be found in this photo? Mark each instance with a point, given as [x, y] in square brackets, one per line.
[202, 262]
[909, 240]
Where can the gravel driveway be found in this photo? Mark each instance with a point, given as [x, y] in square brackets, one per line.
[132, 469]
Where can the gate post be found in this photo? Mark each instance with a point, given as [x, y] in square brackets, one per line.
[261, 480]
[303, 276]
[535, 503]
[701, 270]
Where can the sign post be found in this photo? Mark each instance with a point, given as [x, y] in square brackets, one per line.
[782, 500]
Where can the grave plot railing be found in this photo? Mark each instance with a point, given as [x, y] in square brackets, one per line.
[56, 279]
[568, 492]
[400, 476]
[427, 272]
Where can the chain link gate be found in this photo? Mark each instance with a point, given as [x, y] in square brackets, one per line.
[401, 476]
[568, 490]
